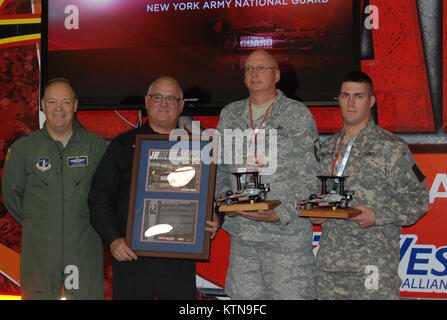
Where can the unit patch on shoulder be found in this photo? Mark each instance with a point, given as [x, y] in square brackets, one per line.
[43, 164]
[78, 161]
[418, 173]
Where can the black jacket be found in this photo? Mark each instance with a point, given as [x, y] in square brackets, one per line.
[110, 190]
[146, 277]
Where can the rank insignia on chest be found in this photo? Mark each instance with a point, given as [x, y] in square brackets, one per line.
[79, 161]
[43, 164]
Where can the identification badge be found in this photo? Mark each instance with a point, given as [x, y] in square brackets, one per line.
[43, 164]
[79, 161]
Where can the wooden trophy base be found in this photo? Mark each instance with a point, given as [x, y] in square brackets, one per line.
[247, 206]
[337, 213]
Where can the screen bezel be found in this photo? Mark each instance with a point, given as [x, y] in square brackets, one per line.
[191, 107]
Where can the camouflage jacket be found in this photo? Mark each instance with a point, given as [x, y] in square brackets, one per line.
[384, 176]
[291, 164]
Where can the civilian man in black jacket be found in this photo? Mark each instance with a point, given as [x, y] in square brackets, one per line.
[139, 277]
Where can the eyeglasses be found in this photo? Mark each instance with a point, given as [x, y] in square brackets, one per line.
[258, 69]
[158, 98]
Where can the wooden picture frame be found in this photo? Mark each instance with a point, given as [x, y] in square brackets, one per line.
[171, 196]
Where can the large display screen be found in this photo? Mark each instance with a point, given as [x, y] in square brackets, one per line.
[112, 49]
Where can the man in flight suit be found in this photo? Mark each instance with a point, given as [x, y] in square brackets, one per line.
[45, 184]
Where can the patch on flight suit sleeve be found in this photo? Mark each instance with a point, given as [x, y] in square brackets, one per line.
[8, 153]
[418, 173]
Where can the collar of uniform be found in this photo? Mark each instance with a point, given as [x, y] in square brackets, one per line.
[274, 110]
[74, 136]
[363, 134]
[366, 130]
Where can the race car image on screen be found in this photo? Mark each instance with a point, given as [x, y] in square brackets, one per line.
[269, 36]
[336, 197]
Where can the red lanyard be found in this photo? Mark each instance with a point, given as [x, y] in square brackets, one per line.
[338, 153]
[255, 132]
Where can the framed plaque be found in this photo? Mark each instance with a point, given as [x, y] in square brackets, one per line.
[171, 196]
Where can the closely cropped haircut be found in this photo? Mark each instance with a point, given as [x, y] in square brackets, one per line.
[166, 78]
[59, 80]
[359, 77]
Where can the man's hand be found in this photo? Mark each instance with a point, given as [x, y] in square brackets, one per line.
[260, 215]
[121, 251]
[366, 218]
[317, 220]
[213, 225]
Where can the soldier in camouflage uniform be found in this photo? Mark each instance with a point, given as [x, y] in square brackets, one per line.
[271, 252]
[359, 258]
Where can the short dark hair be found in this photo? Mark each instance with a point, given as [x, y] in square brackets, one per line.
[359, 77]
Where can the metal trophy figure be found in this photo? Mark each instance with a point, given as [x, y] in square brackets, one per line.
[251, 195]
[332, 203]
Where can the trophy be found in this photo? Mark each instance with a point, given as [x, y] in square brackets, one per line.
[332, 203]
[250, 196]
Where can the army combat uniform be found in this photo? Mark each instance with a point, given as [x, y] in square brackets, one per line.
[45, 188]
[356, 263]
[272, 260]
